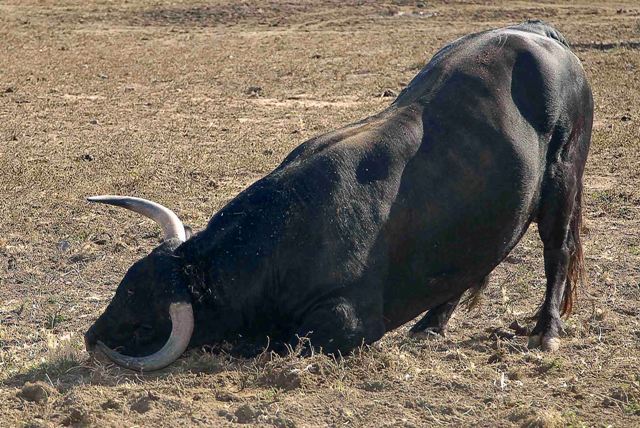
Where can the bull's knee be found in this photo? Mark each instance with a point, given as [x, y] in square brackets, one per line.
[337, 327]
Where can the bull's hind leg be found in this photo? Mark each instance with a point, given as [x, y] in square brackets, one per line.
[436, 319]
[559, 227]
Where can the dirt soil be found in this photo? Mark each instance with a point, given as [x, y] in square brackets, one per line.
[188, 103]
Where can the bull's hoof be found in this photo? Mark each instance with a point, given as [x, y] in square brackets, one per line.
[548, 344]
[427, 334]
[551, 344]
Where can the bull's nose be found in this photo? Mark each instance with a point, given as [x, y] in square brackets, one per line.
[90, 340]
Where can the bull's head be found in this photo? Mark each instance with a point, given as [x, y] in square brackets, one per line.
[151, 303]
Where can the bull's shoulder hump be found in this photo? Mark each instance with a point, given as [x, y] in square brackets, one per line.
[392, 120]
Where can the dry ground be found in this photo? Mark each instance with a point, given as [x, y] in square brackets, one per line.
[188, 103]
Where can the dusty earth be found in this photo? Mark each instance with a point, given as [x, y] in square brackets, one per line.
[187, 104]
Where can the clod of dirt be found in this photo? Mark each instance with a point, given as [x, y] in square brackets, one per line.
[226, 396]
[246, 414]
[99, 240]
[515, 374]
[80, 257]
[63, 245]
[373, 386]
[519, 330]
[111, 404]
[78, 417]
[9, 90]
[283, 378]
[625, 118]
[417, 403]
[254, 91]
[145, 403]
[38, 392]
[87, 157]
[279, 422]
[142, 405]
[497, 357]
[389, 93]
[93, 121]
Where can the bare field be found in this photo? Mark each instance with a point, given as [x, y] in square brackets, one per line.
[188, 103]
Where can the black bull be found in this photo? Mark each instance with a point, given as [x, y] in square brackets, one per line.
[362, 229]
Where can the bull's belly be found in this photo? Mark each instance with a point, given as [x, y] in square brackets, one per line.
[436, 264]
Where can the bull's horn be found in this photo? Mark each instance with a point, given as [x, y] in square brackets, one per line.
[167, 219]
[182, 328]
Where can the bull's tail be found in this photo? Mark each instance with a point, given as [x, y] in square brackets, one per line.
[576, 271]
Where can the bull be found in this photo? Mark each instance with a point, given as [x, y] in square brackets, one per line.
[360, 230]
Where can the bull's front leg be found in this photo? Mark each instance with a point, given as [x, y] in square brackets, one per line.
[435, 320]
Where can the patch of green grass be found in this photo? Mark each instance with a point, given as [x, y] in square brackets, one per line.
[537, 418]
[632, 408]
[272, 395]
[61, 357]
[572, 420]
[51, 369]
[54, 319]
[550, 366]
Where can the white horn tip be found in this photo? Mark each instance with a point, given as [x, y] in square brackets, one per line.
[99, 198]
[167, 219]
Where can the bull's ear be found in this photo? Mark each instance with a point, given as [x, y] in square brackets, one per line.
[188, 231]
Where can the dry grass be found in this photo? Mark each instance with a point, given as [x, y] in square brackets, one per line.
[161, 101]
